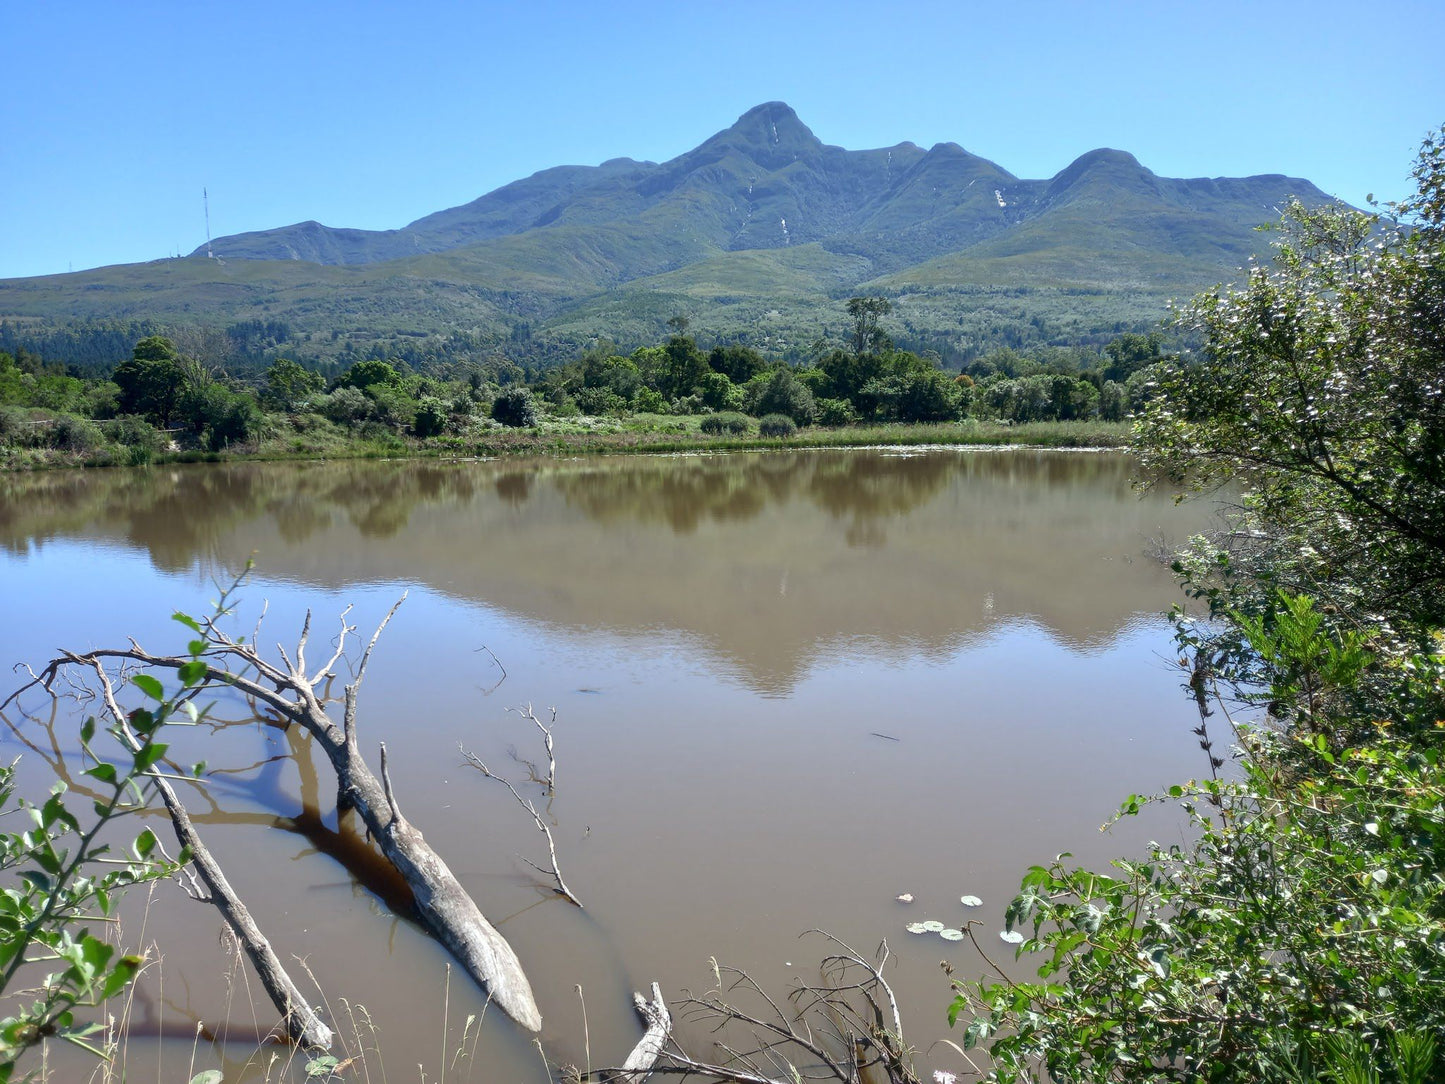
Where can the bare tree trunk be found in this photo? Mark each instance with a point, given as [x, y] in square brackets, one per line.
[639, 1064]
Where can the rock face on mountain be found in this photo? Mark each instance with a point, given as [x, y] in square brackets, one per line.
[758, 234]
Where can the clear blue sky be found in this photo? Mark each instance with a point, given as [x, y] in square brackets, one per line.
[371, 114]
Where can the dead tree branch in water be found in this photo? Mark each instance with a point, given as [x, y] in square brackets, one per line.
[549, 784]
[846, 1028]
[297, 696]
[649, 1048]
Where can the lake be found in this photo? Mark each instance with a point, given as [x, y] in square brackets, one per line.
[788, 687]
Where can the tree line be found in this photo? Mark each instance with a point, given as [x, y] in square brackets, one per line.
[164, 397]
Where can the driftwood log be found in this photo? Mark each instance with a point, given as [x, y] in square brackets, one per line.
[290, 691]
[640, 1062]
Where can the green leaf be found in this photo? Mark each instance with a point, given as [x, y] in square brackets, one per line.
[145, 843]
[87, 730]
[958, 1005]
[1158, 958]
[208, 1076]
[188, 621]
[103, 772]
[147, 684]
[118, 977]
[148, 754]
[322, 1066]
[192, 672]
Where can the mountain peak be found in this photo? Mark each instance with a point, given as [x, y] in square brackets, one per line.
[1107, 156]
[1106, 165]
[773, 129]
[948, 150]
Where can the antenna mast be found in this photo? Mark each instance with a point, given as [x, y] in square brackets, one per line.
[206, 202]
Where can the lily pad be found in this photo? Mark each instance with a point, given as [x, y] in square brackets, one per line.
[951, 935]
[970, 901]
[1013, 937]
[907, 897]
[917, 927]
[932, 925]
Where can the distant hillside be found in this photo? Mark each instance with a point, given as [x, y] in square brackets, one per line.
[756, 235]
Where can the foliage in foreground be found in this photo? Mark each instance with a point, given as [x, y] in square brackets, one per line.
[1306, 924]
[63, 877]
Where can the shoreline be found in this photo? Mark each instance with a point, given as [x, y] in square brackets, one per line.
[540, 442]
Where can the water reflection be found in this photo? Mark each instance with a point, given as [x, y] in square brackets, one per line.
[766, 559]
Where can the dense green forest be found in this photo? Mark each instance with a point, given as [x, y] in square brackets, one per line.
[160, 397]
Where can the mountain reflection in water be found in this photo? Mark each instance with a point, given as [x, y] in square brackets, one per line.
[765, 558]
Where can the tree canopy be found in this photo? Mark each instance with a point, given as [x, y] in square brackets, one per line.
[1322, 383]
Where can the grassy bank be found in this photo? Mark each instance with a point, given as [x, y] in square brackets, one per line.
[640, 434]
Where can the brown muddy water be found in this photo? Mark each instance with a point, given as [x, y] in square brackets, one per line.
[788, 688]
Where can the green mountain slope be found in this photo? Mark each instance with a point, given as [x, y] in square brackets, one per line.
[756, 234]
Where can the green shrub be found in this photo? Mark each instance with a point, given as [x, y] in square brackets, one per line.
[598, 401]
[727, 421]
[72, 433]
[236, 419]
[784, 393]
[1302, 913]
[836, 412]
[514, 407]
[132, 431]
[344, 406]
[919, 395]
[564, 406]
[392, 406]
[15, 427]
[776, 425]
[719, 393]
[369, 374]
[432, 416]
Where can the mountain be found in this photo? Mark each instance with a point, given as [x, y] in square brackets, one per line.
[757, 234]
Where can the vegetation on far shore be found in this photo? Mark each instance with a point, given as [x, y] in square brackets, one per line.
[162, 405]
